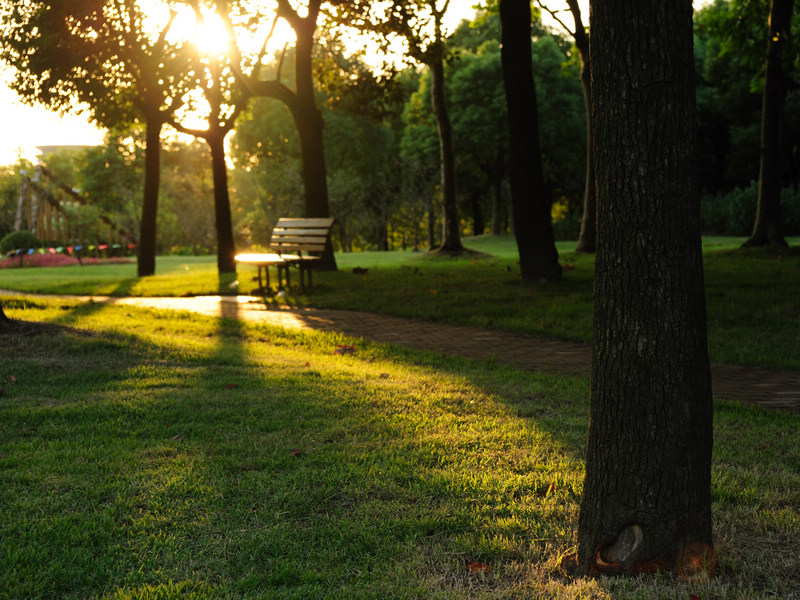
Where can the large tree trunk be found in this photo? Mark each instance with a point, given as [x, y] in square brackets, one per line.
[146, 262]
[530, 202]
[451, 232]
[226, 247]
[768, 229]
[647, 494]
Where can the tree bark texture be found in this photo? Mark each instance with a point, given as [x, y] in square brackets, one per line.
[146, 258]
[647, 493]
[767, 229]
[226, 247]
[530, 201]
[451, 233]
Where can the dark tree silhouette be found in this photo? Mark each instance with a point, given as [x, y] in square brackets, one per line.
[530, 201]
[767, 229]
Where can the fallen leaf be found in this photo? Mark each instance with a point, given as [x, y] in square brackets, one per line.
[693, 597]
[230, 386]
[176, 437]
[384, 376]
[308, 364]
[295, 452]
[344, 349]
[476, 567]
[12, 378]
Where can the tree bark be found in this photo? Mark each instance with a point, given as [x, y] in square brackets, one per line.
[768, 229]
[647, 494]
[530, 203]
[146, 261]
[451, 232]
[226, 246]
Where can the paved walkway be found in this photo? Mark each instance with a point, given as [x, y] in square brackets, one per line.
[766, 387]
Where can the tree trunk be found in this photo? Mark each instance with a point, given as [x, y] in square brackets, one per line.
[768, 229]
[478, 224]
[310, 124]
[647, 494]
[5, 322]
[530, 204]
[226, 247]
[498, 173]
[451, 233]
[146, 262]
[587, 240]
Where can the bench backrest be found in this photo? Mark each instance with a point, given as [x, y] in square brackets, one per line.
[300, 235]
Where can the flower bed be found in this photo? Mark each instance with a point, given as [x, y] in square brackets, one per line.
[53, 259]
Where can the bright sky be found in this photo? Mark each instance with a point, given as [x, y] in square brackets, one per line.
[26, 127]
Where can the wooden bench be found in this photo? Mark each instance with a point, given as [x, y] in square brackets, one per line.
[290, 239]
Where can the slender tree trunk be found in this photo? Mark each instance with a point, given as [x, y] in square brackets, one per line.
[768, 229]
[451, 232]
[497, 175]
[146, 264]
[587, 240]
[647, 494]
[226, 247]
[530, 204]
[310, 125]
[478, 224]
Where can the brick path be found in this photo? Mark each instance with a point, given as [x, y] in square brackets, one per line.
[766, 387]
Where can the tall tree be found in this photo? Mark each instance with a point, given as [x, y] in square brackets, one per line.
[530, 202]
[420, 26]
[767, 229]
[302, 103]
[99, 52]
[225, 98]
[647, 494]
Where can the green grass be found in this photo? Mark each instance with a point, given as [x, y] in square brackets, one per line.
[149, 455]
[753, 295]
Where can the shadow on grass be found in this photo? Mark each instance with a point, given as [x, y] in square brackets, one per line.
[179, 455]
[246, 459]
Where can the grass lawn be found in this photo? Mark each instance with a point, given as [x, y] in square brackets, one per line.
[155, 455]
[753, 295]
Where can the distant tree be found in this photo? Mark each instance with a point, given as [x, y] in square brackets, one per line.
[224, 98]
[647, 494]
[99, 52]
[588, 236]
[767, 229]
[302, 104]
[530, 201]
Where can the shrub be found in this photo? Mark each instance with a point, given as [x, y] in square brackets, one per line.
[734, 213]
[19, 240]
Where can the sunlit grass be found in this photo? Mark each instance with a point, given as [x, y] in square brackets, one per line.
[147, 454]
[753, 295]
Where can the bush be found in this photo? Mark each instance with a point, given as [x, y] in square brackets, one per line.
[734, 213]
[19, 240]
